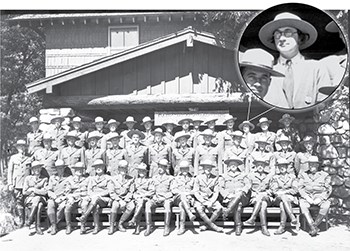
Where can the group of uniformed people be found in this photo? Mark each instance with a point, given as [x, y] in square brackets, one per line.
[136, 171]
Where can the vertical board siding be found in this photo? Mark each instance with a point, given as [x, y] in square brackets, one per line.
[172, 71]
[186, 70]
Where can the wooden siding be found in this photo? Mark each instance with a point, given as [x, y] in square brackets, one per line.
[177, 69]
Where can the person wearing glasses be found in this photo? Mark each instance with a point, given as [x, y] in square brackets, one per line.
[289, 34]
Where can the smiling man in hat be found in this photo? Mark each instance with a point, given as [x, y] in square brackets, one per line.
[147, 123]
[225, 137]
[57, 132]
[236, 149]
[185, 124]
[264, 124]
[168, 134]
[17, 171]
[137, 153]
[248, 137]
[35, 137]
[182, 151]
[115, 153]
[77, 128]
[257, 69]
[93, 152]
[289, 34]
[314, 188]
[112, 125]
[130, 123]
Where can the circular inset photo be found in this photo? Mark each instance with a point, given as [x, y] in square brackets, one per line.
[293, 56]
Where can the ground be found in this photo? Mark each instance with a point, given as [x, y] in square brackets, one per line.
[336, 238]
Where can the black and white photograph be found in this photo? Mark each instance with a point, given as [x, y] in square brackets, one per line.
[175, 129]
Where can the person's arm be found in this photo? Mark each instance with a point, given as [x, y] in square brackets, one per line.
[196, 191]
[322, 79]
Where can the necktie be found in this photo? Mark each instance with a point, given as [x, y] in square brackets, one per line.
[288, 83]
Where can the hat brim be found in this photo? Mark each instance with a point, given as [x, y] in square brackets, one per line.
[212, 120]
[183, 136]
[35, 121]
[94, 137]
[240, 127]
[227, 120]
[207, 165]
[210, 135]
[327, 90]
[240, 162]
[70, 136]
[182, 120]
[147, 121]
[116, 137]
[130, 122]
[268, 121]
[131, 133]
[170, 123]
[155, 132]
[260, 141]
[262, 68]
[291, 119]
[280, 141]
[95, 166]
[40, 165]
[21, 144]
[53, 119]
[266, 32]
[78, 167]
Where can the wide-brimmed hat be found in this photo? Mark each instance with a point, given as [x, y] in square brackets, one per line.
[113, 135]
[163, 162]
[78, 165]
[210, 120]
[142, 166]
[207, 132]
[282, 161]
[181, 135]
[93, 135]
[313, 159]
[71, 134]
[259, 60]
[285, 117]
[332, 27]
[264, 120]
[60, 163]
[237, 134]
[113, 121]
[47, 136]
[308, 138]
[228, 118]
[169, 123]
[130, 119]
[158, 130]
[184, 164]
[233, 158]
[283, 138]
[76, 120]
[207, 162]
[33, 120]
[261, 139]
[246, 122]
[261, 160]
[99, 120]
[123, 163]
[197, 120]
[287, 19]
[98, 162]
[21, 142]
[56, 118]
[185, 119]
[146, 119]
[132, 132]
[36, 163]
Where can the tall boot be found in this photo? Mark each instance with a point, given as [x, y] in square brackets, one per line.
[187, 208]
[96, 217]
[21, 216]
[32, 215]
[281, 228]
[238, 221]
[252, 218]
[137, 226]
[85, 214]
[231, 205]
[182, 223]
[68, 217]
[264, 223]
[59, 215]
[112, 218]
[52, 218]
[123, 218]
[289, 211]
[215, 215]
[137, 214]
[38, 214]
[167, 219]
[148, 224]
[318, 221]
[310, 222]
[207, 221]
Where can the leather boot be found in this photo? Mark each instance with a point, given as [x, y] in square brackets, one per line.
[59, 214]
[238, 221]
[112, 218]
[252, 218]
[231, 205]
[137, 214]
[32, 215]
[182, 223]
[318, 221]
[207, 221]
[52, 218]
[263, 221]
[148, 224]
[187, 208]
[85, 214]
[82, 228]
[289, 211]
[310, 222]
[96, 217]
[122, 219]
[67, 216]
[38, 214]
[137, 227]
[281, 228]
[167, 219]
[21, 216]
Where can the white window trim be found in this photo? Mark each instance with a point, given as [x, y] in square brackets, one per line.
[122, 26]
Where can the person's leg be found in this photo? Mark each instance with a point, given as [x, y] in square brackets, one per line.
[38, 214]
[186, 205]
[148, 211]
[263, 219]
[167, 217]
[129, 208]
[51, 214]
[281, 228]
[113, 216]
[238, 220]
[288, 208]
[304, 207]
[324, 207]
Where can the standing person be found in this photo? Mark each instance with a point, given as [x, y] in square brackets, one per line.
[264, 124]
[158, 150]
[120, 190]
[185, 125]
[114, 154]
[260, 152]
[71, 154]
[284, 190]
[248, 138]
[76, 192]
[168, 135]
[99, 125]
[93, 153]
[35, 137]
[112, 125]
[162, 196]
[77, 129]
[236, 149]
[211, 123]
[182, 188]
[286, 152]
[35, 191]
[225, 137]
[143, 189]
[130, 124]
[234, 188]
[196, 131]
[314, 188]
[18, 169]
[261, 196]
[136, 152]
[147, 123]
[57, 195]
[182, 151]
[301, 159]
[47, 155]
[57, 132]
[206, 192]
[289, 34]
[288, 131]
[98, 196]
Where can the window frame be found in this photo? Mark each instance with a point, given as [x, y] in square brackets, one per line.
[110, 28]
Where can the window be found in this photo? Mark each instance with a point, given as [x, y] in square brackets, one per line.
[123, 37]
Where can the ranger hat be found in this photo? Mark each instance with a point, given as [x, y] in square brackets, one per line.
[141, 166]
[33, 120]
[184, 164]
[235, 159]
[53, 119]
[283, 138]
[158, 130]
[99, 120]
[183, 120]
[169, 123]
[113, 121]
[71, 134]
[130, 119]
[261, 160]
[132, 132]
[60, 163]
[261, 139]
[237, 134]
[207, 162]
[78, 165]
[229, 118]
[285, 117]
[264, 120]
[94, 135]
[98, 163]
[246, 122]
[163, 162]
[180, 135]
[197, 120]
[36, 163]
[76, 120]
[146, 119]
[207, 132]
[21, 142]
[282, 161]
[123, 164]
[210, 120]
[113, 135]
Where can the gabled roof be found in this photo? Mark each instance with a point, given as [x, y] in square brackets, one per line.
[189, 35]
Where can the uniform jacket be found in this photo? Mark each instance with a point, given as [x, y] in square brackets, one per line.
[38, 183]
[98, 185]
[300, 161]
[286, 184]
[179, 154]
[232, 183]
[288, 155]
[248, 142]
[48, 157]
[162, 185]
[267, 156]
[72, 155]
[205, 187]
[210, 152]
[18, 170]
[136, 155]
[113, 156]
[260, 183]
[157, 152]
[271, 138]
[225, 140]
[34, 140]
[182, 184]
[143, 188]
[77, 187]
[125, 140]
[91, 155]
[58, 186]
[315, 186]
[58, 137]
[121, 187]
[168, 139]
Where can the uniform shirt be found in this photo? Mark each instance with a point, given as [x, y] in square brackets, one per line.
[113, 156]
[143, 187]
[58, 137]
[288, 155]
[162, 185]
[121, 187]
[270, 137]
[82, 138]
[309, 76]
[265, 155]
[34, 140]
[196, 137]
[210, 152]
[205, 187]
[260, 182]
[77, 186]
[168, 138]
[232, 183]
[237, 151]
[47, 157]
[18, 170]
[98, 185]
[136, 154]
[248, 141]
[125, 140]
[39, 183]
[91, 155]
[71, 155]
[316, 185]
[284, 184]
[190, 140]
[58, 186]
[179, 154]
[225, 140]
[156, 152]
[182, 184]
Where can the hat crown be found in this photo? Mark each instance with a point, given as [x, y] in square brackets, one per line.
[260, 160]
[78, 165]
[261, 139]
[210, 120]
[98, 162]
[98, 119]
[237, 134]
[33, 119]
[142, 166]
[184, 164]
[181, 134]
[21, 142]
[71, 134]
[163, 162]
[112, 121]
[123, 163]
[158, 130]
[286, 15]
[36, 163]
[283, 138]
[59, 162]
[94, 134]
[257, 57]
[113, 135]
[185, 119]
[206, 162]
[76, 119]
[130, 119]
[282, 161]
[263, 119]
[146, 119]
